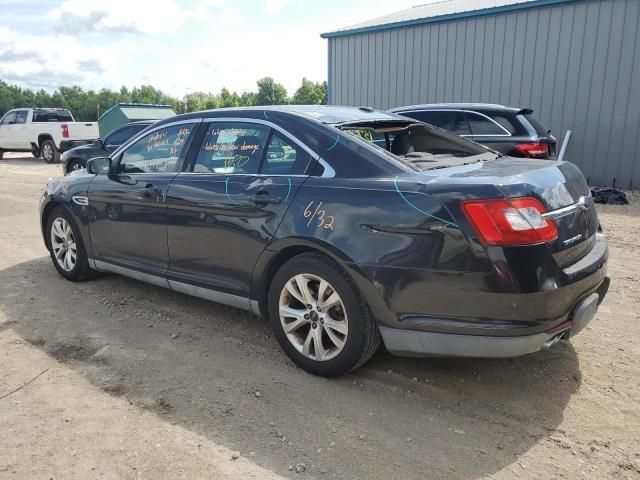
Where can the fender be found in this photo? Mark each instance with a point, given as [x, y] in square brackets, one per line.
[71, 192]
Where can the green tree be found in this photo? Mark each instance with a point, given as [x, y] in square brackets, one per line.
[310, 93]
[227, 99]
[270, 92]
[248, 99]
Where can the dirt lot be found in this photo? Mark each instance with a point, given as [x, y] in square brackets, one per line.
[134, 381]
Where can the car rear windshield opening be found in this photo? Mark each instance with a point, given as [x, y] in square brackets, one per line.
[420, 145]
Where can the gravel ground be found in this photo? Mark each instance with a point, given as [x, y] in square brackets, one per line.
[129, 380]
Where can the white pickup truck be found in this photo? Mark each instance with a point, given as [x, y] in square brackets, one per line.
[44, 132]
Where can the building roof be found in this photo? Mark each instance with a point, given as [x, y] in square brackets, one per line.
[440, 11]
[142, 111]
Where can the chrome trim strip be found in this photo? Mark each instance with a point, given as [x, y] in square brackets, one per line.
[561, 212]
[208, 294]
[127, 272]
[80, 200]
[507, 134]
[213, 295]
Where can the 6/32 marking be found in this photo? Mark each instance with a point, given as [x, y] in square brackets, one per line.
[324, 220]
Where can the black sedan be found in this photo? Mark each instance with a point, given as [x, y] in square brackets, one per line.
[510, 130]
[442, 247]
[76, 158]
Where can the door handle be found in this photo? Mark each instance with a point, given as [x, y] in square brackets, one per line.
[263, 198]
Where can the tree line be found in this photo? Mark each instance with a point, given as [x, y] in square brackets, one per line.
[87, 105]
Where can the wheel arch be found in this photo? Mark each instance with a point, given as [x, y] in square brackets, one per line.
[283, 250]
[46, 212]
[43, 137]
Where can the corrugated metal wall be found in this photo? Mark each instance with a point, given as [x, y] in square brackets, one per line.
[576, 64]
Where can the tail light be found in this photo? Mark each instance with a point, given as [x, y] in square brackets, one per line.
[532, 150]
[65, 130]
[515, 221]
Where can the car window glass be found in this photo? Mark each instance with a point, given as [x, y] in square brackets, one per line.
[538, 127]
[284, 157]
[440, 119]
[481, 125]
[52, 116]
[460, 124]
[231, 148]
[156, 152]
[9, 118]
[21, 116]
[122, 135]
[506, 122]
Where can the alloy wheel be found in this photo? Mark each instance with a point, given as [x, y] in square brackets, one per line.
[63, 244]
[76, 166]
[313, 317]
[47, 152]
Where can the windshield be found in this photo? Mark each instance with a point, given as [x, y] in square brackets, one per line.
[420, 146]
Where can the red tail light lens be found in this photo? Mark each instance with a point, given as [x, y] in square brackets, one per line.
[516, 221]
[65, 130]
[532, 150]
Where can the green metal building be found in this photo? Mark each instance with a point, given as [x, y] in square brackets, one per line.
[122, 113]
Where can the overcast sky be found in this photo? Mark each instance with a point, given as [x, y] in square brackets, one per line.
[179, 46]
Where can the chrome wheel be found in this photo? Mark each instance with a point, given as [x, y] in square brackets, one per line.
[63, 244]
[313, 317]
[47, 152]
[76, 165]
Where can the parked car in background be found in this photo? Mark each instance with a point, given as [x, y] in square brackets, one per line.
[509, 130]
[44, 132]
[433, 245]
[76, 158]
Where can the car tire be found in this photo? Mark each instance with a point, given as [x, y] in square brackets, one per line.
[49, 152]
[324, 350]
[1, 154]
[75, 164]
[66, 246]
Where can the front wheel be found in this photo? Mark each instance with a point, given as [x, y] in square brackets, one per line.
[320, 318]
[49, 152]
[66, 247]
[75, 164]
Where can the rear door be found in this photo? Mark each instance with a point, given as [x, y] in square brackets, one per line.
[128, 219]
[226, 209]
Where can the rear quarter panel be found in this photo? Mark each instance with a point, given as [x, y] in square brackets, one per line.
[365, 224]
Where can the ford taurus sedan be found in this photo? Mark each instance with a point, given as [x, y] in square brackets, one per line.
[345, 227]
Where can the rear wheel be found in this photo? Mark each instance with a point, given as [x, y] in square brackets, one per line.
[320, 318]
[75, 164]
[49, 152]
[66, 246]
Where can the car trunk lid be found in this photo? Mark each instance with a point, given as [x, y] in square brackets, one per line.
[559, 186]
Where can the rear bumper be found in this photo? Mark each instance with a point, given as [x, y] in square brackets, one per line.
[420, 343]
[69, 144]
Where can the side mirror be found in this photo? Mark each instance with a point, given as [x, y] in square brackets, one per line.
[99, 165]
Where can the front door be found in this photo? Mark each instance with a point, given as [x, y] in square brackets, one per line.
[8, 129]
[128, 220]
[225, 211]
